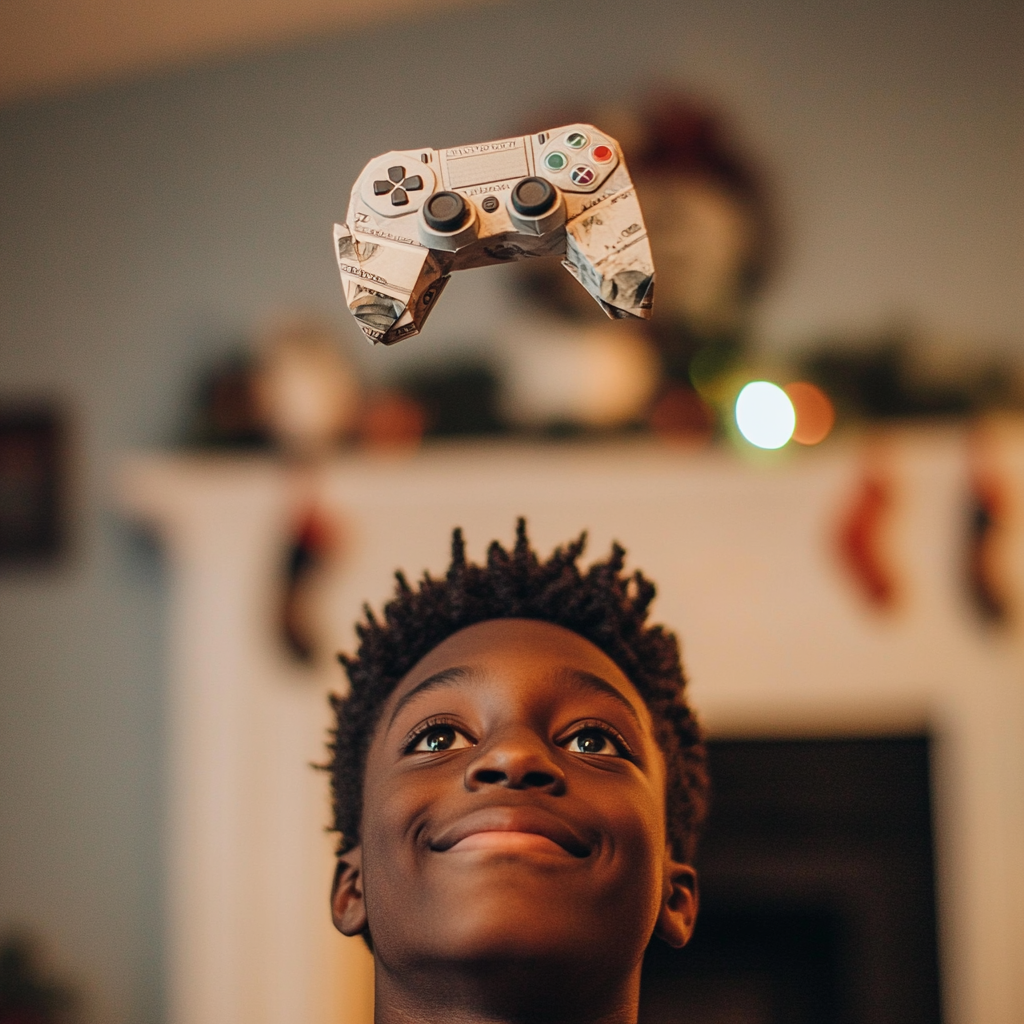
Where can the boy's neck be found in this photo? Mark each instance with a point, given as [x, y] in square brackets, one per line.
[504, 993]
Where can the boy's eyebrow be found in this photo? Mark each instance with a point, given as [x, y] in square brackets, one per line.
[580, 679]
[571, 678]
[442, 678]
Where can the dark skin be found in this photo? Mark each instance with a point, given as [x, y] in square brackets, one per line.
[514, 862]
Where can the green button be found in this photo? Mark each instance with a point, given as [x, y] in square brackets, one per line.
[555, 161]
[577, 140]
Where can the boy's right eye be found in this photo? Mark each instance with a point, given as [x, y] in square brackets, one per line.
[438, 738]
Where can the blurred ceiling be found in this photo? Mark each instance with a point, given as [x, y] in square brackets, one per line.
[50, 47]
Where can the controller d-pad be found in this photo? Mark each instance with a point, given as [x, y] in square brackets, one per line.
[396, 184]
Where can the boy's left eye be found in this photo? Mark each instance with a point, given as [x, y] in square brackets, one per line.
[593, 741]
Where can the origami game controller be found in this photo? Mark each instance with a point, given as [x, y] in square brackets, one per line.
[416, 216]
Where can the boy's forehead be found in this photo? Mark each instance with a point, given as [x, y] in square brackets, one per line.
[486, 648]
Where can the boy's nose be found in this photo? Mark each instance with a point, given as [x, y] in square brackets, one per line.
[516, 761]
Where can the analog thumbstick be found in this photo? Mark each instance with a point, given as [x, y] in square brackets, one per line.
[533, 197]
[445, 211]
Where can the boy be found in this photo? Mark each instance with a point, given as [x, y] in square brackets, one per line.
[518, 783]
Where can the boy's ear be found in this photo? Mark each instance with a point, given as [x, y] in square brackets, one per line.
[678, 903]
[348, 907]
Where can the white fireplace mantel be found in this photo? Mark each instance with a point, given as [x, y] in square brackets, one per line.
[777, 640]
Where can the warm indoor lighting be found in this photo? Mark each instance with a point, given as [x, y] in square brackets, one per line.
[765, 414]
[815, 415]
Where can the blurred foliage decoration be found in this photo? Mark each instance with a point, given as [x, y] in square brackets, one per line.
[458, 399]
[26, 995]
[888, 377]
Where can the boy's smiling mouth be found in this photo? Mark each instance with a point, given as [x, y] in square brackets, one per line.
[507, 842]
[511, 829]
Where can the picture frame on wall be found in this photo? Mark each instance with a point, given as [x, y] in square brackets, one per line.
[32, 485]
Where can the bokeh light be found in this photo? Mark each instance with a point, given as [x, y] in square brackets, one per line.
[764, 414]
[815, 414]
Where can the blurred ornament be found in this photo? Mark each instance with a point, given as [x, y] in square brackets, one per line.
[985, 505]
[680, 414]
[392, 422]
[306, 392]
[315, 540]
[815, 415]
[988, 511]
[862, 539]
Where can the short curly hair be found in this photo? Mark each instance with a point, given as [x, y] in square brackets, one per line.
[601, 604]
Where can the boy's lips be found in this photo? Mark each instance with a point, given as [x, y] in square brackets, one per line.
[523, 821]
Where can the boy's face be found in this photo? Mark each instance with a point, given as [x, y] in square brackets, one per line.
[514, 806]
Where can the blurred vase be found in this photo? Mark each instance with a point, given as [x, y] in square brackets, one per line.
[306, 392]
[597, 377]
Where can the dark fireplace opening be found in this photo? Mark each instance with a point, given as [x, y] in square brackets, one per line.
[817, 890]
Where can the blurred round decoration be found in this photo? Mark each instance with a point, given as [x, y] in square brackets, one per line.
[307, 394]
[392, 422]
[599, 377]
[680, 414]
[765, 415]
[815, 414]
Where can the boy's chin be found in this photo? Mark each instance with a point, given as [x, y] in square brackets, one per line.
[507, 927]
[482, 938]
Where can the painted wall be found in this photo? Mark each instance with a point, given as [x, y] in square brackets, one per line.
[146, 228]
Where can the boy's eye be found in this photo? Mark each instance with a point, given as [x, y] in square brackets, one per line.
[593, 741]
[439, 738]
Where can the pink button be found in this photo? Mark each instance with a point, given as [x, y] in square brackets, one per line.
[602, 154]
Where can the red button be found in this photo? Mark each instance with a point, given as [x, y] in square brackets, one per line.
[602, 154]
